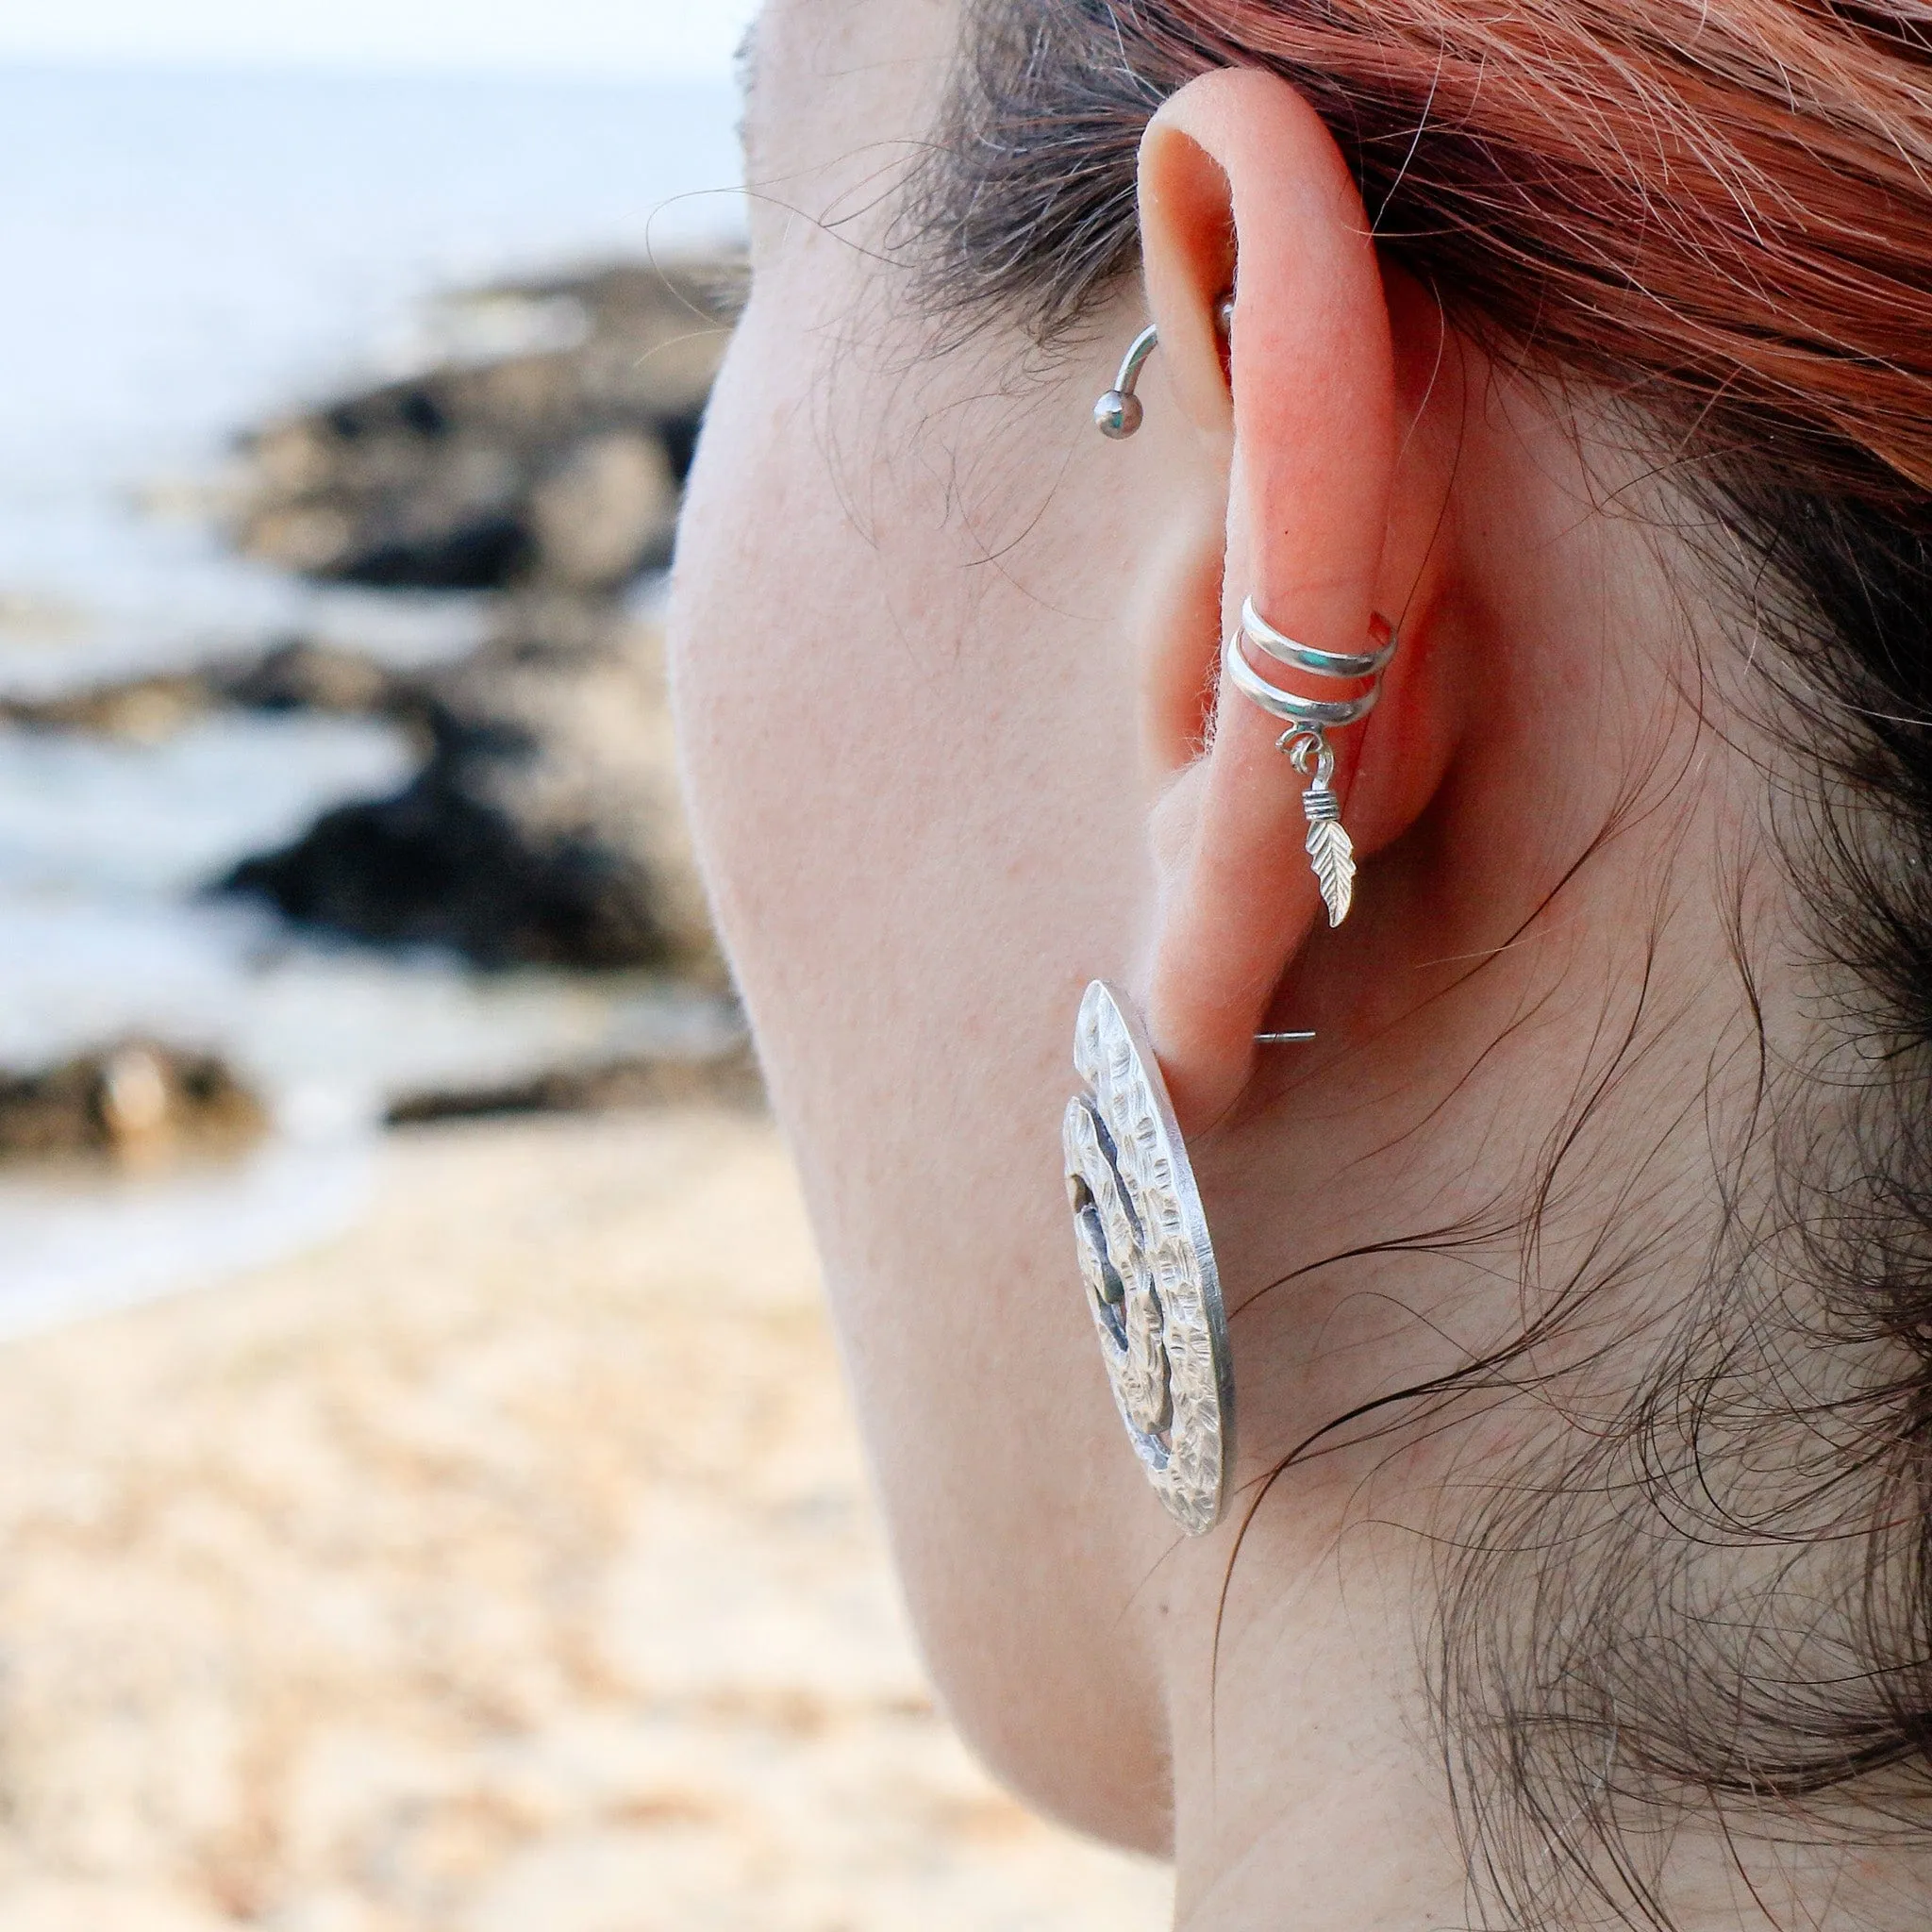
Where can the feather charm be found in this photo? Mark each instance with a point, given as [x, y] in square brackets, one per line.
[1331, 851]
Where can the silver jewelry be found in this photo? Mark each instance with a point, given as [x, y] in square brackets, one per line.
[1117, 415]
[1152, 1285]
[1285, 650]
[1119, 411]
[1331, 852]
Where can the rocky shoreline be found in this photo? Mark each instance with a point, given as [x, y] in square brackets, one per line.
[136, 1102]
[561, 465]
[542, 826]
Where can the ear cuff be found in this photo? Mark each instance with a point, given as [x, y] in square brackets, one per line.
[1331, 851]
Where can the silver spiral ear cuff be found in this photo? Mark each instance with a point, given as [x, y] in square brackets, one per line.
[1331, 852]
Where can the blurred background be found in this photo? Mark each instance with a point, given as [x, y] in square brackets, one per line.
[427, 1494]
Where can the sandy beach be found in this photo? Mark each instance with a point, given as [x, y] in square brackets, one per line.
[504, 1565]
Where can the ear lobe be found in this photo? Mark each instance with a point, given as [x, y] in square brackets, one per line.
[1238, 173]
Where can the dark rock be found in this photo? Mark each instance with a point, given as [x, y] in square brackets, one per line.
[545, 827]
[292, 674]
[561, 465]
[437, 866]
[142, 709]
[416, 549]
[298, 674]
[731, 1079]
[137, 1101]
[604, 510]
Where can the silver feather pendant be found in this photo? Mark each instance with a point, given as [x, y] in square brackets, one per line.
[1331, 851]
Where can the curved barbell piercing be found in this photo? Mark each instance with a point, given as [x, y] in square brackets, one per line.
[1119, 411]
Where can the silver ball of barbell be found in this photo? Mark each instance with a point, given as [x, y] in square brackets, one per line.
[1118, 414]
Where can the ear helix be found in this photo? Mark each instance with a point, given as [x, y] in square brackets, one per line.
[1331, 852]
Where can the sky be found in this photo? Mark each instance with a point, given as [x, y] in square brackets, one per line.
[679, 40]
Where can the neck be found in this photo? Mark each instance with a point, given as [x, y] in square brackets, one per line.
[1302, 1643]
[1337, 1820]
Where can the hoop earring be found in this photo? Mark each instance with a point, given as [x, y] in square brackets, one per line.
[1152, 1287]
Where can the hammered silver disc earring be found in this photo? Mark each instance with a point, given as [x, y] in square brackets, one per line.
[1152, 1286]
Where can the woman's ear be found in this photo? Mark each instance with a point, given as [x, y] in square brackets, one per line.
[1329, 519]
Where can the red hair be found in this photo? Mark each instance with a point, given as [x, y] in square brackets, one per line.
[1735, 198]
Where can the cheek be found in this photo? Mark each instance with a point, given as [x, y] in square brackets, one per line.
[888, 743]
[922, 840]
[812, 658]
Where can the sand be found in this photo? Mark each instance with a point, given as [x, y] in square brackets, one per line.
[505, 1567]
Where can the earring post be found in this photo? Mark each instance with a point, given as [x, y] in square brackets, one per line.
[1282, 1039]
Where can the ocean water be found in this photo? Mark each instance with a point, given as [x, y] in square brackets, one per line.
[183, 255]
